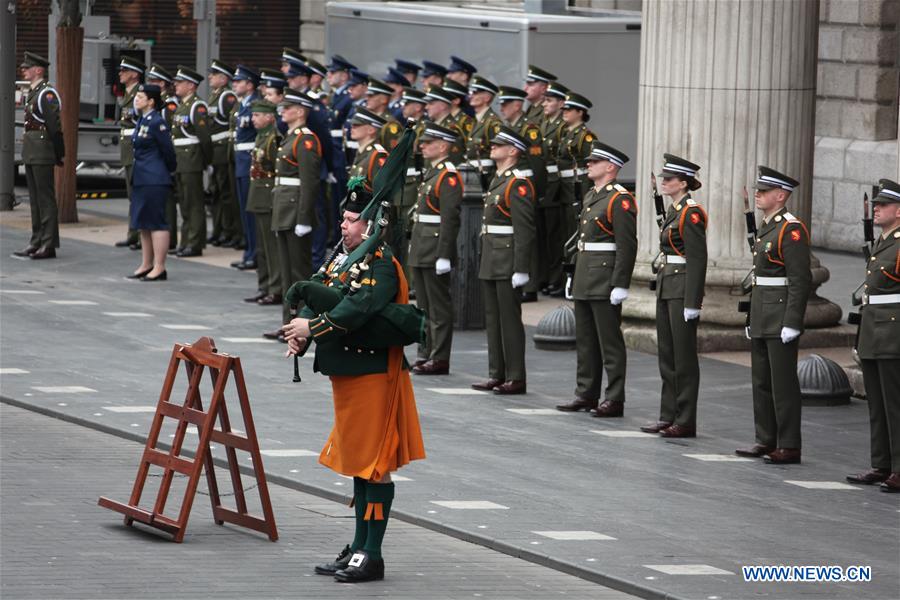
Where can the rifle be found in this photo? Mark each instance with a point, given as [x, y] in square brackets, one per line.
[747, 283]
[856, 299]
[660, 205]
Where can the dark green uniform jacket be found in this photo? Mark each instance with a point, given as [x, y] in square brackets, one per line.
[879, 330]
[573, 150]
[262, 170]
[127, 119]
[781, 255]
[682, 240]
[297, 181]
[190, 134]
[368, 161]
[42, 143]
[437, 216]
[507, 228]
[607, 243]
[221, 102]
[478, 144]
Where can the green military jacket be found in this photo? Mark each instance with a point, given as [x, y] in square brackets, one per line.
[436, 222]
[781, 254]
[573, 150]
[190, 134]
[551, 132]
[507, 227]
[334, 331]
[879, 329]
[368, 161]
[170, 106]
[682, 239]
[465, 123]
[262, 170]
[221, 103]
[406, 196]
[42, 143]
[535, 113]
[297, 180]
[607, 243]
[531, 133]
[478, 144]
[127, 120]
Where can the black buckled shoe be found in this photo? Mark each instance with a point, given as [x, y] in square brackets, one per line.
[341, 562]
[361, 568]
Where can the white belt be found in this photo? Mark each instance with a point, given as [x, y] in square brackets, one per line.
[245, 146]
[185, 142]
[674, 259]
[294, 181]
[596, 246]
[553, 168]
[427, 218]
[770, 281]
[351, 144]
[572, 172]
[337, 133]
[883, 299]
[483, 162]
[497, 229]
[222, 135]
[413, 172]
[127, 132]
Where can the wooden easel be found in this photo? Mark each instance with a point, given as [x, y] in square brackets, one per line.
[198, 357]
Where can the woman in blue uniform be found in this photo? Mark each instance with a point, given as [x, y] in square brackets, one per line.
[151, 180]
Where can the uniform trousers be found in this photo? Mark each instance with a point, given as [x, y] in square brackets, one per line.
[268, 270]
[242, 186]
[882, 381]
[679, 366]
[44, 212]
[193, 209]
[505, 331]
[776, 392]
[433, 296]
[600, 346]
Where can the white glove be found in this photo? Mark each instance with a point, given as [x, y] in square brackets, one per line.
[618, 296]
[520, 279]
[301, 230]
[331, 178]
[788, 335]
[691, 313]
[569, 295]
[442, 265]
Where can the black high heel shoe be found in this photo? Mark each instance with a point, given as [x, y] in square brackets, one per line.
[139, 275]
[161, 277]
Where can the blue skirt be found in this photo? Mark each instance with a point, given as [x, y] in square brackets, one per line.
[148, 207]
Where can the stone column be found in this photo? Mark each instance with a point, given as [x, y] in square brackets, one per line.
[728, 84]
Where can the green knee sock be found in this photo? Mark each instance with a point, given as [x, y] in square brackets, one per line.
[379, 497]
[359, 506]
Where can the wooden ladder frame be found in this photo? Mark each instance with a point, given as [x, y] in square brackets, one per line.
[198, 357]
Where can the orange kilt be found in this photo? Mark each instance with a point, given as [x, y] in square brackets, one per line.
[376, 424]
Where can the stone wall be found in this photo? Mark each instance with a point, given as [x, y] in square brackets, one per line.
[856, 114]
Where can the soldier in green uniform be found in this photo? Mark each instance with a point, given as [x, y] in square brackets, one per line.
[512, 102]
[550, 210]
[131, 73]
[193, 149]
[438, 109]
[259, 200]
[507, 242]
[226, 222]
[536, 83]
[432, 247]
[487, 123]
[370, 157]
[296, 188]
[159, 75]
[401, 224]
[679, 291]
[781, 286]
[42, 149]
[574, 146]
[378, 96]
[607, 249]
[878, 345]
[458, 94]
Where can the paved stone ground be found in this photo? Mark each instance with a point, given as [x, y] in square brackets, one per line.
[57, 543]
[662, 503]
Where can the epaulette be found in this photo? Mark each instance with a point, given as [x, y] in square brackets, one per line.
[621, 188]
[790, 218]
[379, 148]
[690, 202]
[306, 130]
[523, 173]
[450, 166]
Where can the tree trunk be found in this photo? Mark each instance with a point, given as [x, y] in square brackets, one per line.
[68, 60]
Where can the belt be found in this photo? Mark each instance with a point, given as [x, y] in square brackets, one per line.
[127, 132]
[245, 146]
[293, 181]
[674, 259]
[572, 172]
[351, 144]
[427, 218]
[497, 229]
[222, 135]
[337, 133]
[883, 299]
[185, 142]
[596, 246]
[553, 168]
[770, 281]
[413, 172]
[481, 162]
